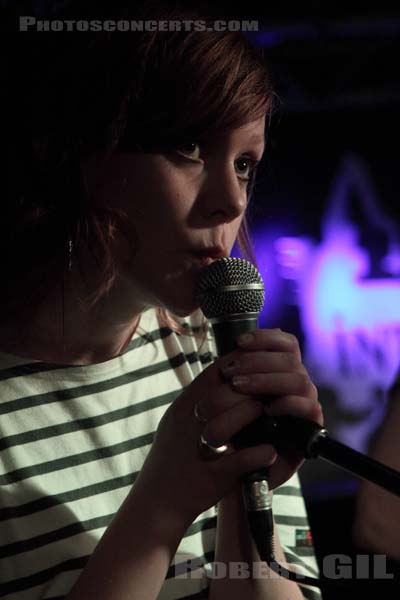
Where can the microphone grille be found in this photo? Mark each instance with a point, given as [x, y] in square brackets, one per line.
[230, 286]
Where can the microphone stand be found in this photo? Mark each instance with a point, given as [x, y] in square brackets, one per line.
[311, 440]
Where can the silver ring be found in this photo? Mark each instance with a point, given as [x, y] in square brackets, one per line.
[207, 451]
[198, 416]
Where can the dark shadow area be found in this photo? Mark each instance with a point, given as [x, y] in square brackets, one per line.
[331, 523]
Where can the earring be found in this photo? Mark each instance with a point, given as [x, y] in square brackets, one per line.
[69, 262]
[70, 248]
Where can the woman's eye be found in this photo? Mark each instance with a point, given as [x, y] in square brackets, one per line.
[190, 150]
[245, 167]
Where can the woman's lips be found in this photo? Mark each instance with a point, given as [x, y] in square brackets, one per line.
[204, 261]
[206, 257]
[190, 263]
[199, 261]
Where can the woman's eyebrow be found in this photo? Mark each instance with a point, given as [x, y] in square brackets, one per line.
[259, 140]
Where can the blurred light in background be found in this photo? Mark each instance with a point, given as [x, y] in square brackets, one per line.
[349, 321]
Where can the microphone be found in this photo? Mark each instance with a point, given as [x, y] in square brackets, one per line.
[231, 295]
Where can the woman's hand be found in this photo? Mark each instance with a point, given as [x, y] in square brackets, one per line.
[176, 477]
[272, 364]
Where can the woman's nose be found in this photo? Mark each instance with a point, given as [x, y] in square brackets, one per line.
[224, 195]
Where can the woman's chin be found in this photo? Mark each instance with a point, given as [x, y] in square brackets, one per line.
[182, 309]
[182, 301]
[178, 293]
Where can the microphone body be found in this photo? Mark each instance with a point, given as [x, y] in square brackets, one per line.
[231, 294]
[226, 332]
[255, 488]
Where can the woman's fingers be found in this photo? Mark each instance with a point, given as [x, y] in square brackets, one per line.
[279, 384]
[211, 406]
[296, 406]
[248, 460]
[221, 428]
[271, 339]
[263, 360]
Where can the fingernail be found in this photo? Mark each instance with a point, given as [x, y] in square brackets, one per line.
[271, 456]
[240, 379]
[245, 339]
[230, 366]
[282, 337]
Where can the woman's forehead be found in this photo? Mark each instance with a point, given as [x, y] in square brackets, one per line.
[252, 133]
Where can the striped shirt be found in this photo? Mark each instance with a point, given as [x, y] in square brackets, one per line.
[72, 441]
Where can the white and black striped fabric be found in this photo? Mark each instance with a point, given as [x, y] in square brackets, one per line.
[72, 441]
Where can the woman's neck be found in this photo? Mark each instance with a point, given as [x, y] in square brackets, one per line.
[39, 347]
[62, 331]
